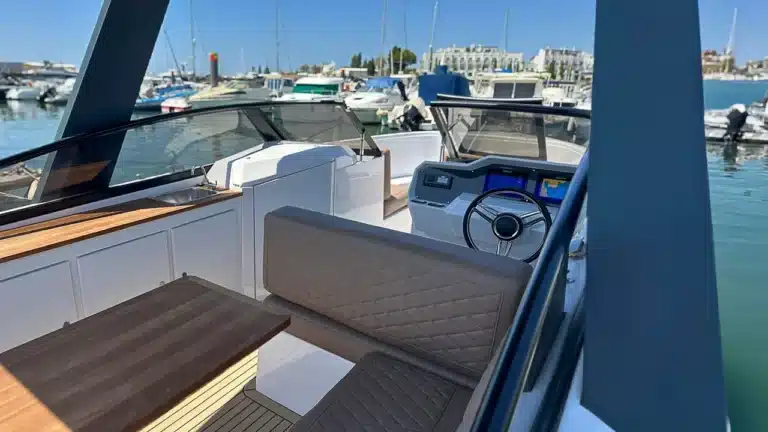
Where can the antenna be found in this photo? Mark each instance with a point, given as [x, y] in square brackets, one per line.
[277, 35]
[432, 34]
[242, 60]
[192, 37]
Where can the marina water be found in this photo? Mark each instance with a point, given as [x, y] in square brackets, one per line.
[739, 192]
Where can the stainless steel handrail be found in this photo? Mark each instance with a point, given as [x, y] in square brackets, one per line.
[519, 345]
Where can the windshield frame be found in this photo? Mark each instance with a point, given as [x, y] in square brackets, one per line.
[440, 107]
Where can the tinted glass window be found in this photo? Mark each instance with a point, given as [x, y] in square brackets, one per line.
[182, 144]
[481, 132]
[100, 162]
[155, 151]
[317, 123]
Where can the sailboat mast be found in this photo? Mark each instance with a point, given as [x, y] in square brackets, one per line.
[432, 35]
[729, 49]
[405, 31]
[192, 37]
[277, 35]
[389, 47]
[173, 54]
[731, 35]
[505, 36]
[383, 38]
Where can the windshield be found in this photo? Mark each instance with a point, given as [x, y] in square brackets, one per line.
[321, 89]
[159, 150]
[373, 90]
[483, 130]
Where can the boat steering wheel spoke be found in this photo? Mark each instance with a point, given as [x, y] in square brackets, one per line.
[486, 212]
[507, 227]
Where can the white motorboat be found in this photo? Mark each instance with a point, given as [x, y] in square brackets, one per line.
[378, 95]
[59, 95]
[755, 130]
[415, 114]
[449, 280]
[30, 92]
[318, 88]
[508, 85]
[556, 96]
[223, 94]
[278, 84]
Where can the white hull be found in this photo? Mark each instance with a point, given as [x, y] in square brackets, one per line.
[368, 115]
[23, 93]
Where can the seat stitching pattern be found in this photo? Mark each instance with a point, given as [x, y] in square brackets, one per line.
[379, 393]
[448, 311]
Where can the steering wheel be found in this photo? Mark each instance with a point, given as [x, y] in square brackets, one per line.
[507, 227]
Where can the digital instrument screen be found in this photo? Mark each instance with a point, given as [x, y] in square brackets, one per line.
[496, 180]
[552, 190]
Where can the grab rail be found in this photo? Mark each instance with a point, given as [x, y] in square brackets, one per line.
[507, 105]
[511, 370]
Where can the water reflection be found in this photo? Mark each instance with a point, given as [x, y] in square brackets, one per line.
[734, 155]
[29, 110]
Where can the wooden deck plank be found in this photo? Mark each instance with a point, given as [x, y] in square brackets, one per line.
[229, 403]
[205, 402]
[35, 238]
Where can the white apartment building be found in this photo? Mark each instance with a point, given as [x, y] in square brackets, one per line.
[474, 58]
[568, 64]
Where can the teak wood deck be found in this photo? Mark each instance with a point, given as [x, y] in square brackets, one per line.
[38, 237]
[229, 403]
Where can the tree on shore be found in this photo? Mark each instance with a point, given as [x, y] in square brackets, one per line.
[409, 58]
[266, 69]
[370, 65]
[356, 61]
[551, 69]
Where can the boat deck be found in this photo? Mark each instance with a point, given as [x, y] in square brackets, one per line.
[229, 403]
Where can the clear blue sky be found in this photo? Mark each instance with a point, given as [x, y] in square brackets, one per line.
[320, 31]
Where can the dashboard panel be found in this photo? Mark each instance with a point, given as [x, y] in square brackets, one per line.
[503, 179]
[439, 183]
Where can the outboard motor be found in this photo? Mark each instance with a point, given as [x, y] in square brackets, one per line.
[412, 119]
[50, 91]
[737, 118]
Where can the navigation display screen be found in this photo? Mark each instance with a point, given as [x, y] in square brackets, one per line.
[552, 190]
[496, 180]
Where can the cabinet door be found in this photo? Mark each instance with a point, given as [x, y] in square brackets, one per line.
[117, 273]
[35, 303]
[210, 248]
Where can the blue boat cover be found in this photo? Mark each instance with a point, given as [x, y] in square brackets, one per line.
[381, 82]
[445, 83]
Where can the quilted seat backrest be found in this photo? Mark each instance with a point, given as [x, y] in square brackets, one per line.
[448, 304]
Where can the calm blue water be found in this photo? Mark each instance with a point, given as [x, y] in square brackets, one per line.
[739, 199]
[739, 192]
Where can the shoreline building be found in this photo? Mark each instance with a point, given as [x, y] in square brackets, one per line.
[563, 63]
[472, 59]
[713, 62]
